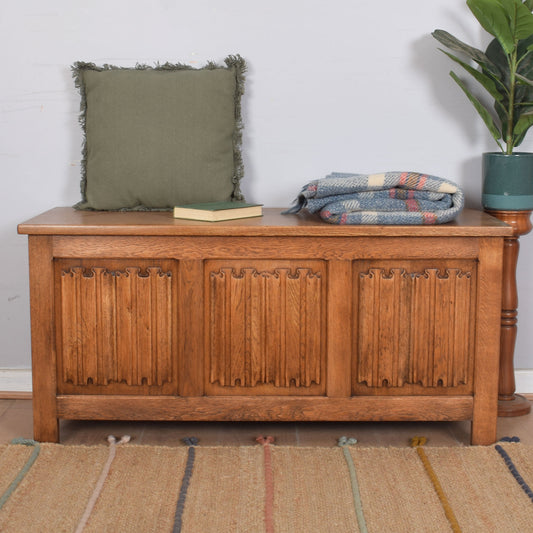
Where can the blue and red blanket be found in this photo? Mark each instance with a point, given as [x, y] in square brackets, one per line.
[387, 198]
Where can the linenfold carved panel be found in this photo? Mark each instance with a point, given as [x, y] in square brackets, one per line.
[412, 326]
[115, 326]
[265, 324]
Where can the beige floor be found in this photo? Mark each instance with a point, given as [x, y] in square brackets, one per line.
[16, 421]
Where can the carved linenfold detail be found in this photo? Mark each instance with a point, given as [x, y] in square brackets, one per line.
[412, 327]
[265, 326]
[116, 326]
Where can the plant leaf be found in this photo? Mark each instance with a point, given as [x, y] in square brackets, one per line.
[453, 43]
[493, 18]
[486, 81]
[522, 126]
[480, 108]
[524, 80]
[521, 19]
[499, 59]
[525, 70]
[502, 112]
[525, 57]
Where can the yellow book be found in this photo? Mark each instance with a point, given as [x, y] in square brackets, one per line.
[217, 211]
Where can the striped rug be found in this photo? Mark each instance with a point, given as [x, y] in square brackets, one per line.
[123, 487]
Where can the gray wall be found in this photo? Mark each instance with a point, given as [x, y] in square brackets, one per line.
[343, 85]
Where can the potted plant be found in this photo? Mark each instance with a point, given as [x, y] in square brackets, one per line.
[505, 72]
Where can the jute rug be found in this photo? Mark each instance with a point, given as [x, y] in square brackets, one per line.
[125, 487]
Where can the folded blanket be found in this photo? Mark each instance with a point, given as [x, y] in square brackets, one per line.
[388, 198]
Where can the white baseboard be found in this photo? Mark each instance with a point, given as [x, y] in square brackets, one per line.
[524, 381]
[15, 380]
[19, 380]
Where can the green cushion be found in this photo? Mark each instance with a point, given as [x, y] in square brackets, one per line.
[156, 137]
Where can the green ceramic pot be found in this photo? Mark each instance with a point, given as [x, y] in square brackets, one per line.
[507, 181]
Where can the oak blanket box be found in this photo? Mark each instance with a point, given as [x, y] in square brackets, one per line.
[140, 316]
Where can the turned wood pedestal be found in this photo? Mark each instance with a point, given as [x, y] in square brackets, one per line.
[140, 316]
[511, 404]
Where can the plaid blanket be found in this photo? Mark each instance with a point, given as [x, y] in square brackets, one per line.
[388, 198]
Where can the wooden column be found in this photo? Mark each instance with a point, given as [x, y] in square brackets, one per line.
[509, 403]
[45, 422]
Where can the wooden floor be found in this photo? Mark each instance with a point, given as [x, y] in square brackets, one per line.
[16, 421]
